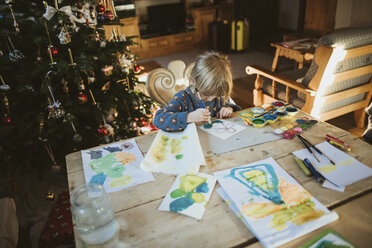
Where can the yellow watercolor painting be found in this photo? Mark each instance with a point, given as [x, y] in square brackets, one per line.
[271, 203]
[174, 152]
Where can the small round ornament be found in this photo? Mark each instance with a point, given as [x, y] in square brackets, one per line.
[77, 138]
[49, 196]
[54, 50]
[102, 44]
[7, 120]
[82, 98]
[100, 8]
[137, 68]
[110, 129]
[144, 123]
[108, 15]
[102, 131]
[107, 70]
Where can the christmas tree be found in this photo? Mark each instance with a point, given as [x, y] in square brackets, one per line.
[64, 86]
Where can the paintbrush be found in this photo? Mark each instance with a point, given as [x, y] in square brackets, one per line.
[272, 110]
[308, 148]
[316, 149]
[202, 103]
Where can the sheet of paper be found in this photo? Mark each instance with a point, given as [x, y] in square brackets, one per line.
[222, 129]
[115, 166]
[347, 170]
[249, 136]
[175, 153]
[189, 194]
[273, 205]
[327, 238]
[329, 185]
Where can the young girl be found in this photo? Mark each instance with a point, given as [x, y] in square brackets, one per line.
[207, 96]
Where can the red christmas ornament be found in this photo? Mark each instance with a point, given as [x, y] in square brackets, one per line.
[53, 50]
[108, 15]
[82, 98]
[100, 8]
[144, 123]
[102, 131]
[7, 120]
[137, 68]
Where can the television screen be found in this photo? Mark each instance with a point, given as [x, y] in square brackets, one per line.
[166, 18]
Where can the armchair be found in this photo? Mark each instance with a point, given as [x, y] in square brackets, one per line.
[162, 83]
[338, 81]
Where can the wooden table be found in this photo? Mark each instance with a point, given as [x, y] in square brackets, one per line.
[299, 55]
[148, 227]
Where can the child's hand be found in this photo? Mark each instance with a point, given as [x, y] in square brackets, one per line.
[225, 112]
[198, 115]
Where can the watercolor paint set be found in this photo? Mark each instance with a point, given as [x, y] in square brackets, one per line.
[267, 114]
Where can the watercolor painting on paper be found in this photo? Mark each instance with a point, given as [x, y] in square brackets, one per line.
[328, 238]
[222, 129]
[189, 194]
[273, 205]
[174, 153]
[115, 166]
[347, 170]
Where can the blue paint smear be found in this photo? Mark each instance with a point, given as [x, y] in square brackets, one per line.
[99, 178]
[272, 180]
[180, 204]
[203, 188]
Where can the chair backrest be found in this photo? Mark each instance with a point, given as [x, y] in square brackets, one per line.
[340, 72]
[163, 83]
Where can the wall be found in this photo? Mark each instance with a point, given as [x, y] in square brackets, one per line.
[141, 6]
[289, 11]
[353, 13]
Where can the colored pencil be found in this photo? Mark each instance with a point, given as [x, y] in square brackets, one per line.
[341, 143]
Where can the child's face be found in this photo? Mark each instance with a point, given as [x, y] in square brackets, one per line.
[207, 98]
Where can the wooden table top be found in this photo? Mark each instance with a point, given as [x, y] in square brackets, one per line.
[219, 227]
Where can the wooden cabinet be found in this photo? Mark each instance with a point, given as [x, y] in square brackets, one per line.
[320, 16]
[163, 45]
[205, 15]
[167, 44]
[202, 17]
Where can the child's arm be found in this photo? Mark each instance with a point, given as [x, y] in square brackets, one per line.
[172, 117]
[230, 103]
[227, 109]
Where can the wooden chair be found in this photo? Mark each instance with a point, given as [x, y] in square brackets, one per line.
[162, 83]
[338, 81]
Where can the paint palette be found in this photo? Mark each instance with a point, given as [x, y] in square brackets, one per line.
[267, 114]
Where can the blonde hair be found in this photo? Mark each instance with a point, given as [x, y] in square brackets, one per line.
[212, 76]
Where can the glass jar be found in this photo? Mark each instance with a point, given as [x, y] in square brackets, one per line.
[91, 209]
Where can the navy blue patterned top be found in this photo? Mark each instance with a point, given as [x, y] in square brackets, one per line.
[173, 117]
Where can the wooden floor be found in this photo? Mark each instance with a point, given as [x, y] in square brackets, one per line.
[243, 96]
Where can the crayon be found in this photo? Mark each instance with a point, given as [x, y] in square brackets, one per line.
[338, 142]
[302, 166]
[318, 177]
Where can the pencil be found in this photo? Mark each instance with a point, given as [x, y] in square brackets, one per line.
[308, 148]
